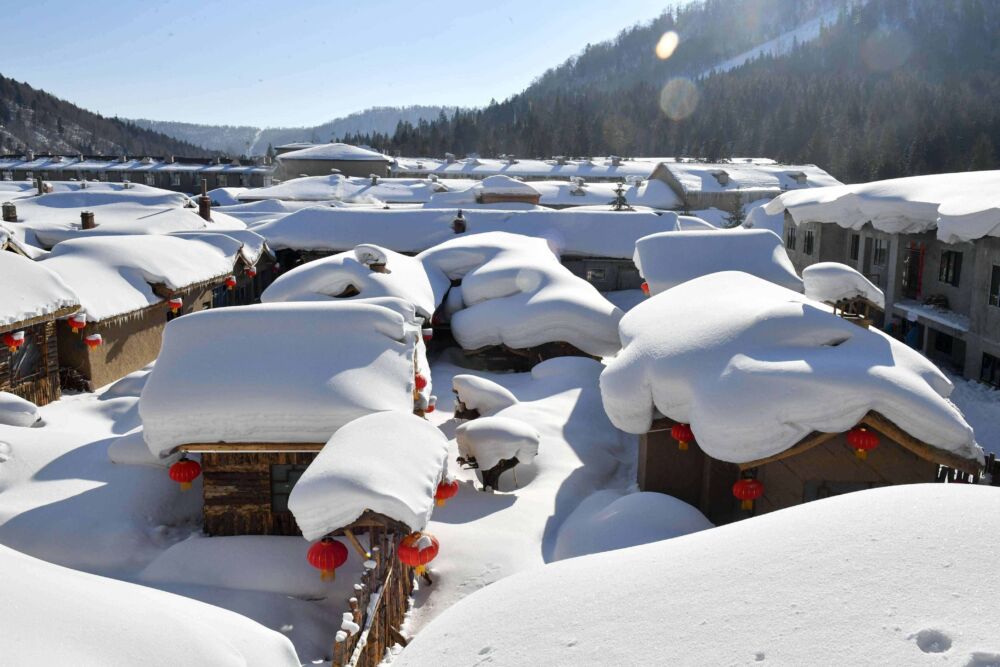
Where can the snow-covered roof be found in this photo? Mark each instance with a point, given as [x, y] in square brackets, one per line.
[514, 292]
[481, 394]
[607, 168]
[831, 282]
[856, 579]
[28, 289]
[961, 207]
[491, 439]
[329, 278]
[114, 275]
[747, 176]
[668, 259]
[285, 372]
[337, 187]
[652, 193]
[501, 184]
[754, 368]
[569, 232]
[335, 152]
[234, 243]
[387, 462]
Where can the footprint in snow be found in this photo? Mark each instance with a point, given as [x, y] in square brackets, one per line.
[980, 659]
[4, 451]
[932, 641]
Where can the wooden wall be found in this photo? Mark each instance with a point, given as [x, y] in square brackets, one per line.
[33, 371]
[237, 492]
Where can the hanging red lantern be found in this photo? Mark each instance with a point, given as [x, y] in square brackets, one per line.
[683, 434]
[175, 304]
[230, 282]
[77, 322]
[446, 489]
[420, 381]
[645, 288]
[417, 550]
[93, 341]
[748, 490]
[252, 271]
[184, 472]
[428, 334]
[862, 441]
[326, 556]
[13, 340]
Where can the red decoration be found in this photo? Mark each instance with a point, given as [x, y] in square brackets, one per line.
[13, 340]
[184, 472]
[420, 381]
[230, 282]
[93, 341]
[445, 490]
[418, 549]
[683, 435]
[645, 288]
[326, 556]
[428, 334]
[862, 441]
[252, 271]
[175, 304]
[431, 404]
[77, 322]
[748, 490]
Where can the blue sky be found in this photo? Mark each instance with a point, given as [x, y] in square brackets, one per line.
[295, 62]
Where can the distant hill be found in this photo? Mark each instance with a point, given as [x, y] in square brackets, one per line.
[244, 139]
[33, 119]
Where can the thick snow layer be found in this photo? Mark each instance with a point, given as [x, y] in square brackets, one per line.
[387, 462]
[962, 206]
[831, 282]
[747, 176]
[16, 411]
[481, 394]
[879, 577]
[131, 449]
[234, 243]
[334, 151]
[500, 184]
[980, 404]
[516, 293]
[569, 232]
[608, 168]
[340, 188]
[757, 217]
[288, 372]
[29, 289]
[113, 275]
[671, 258]
[490, 440]
[226, 196]
[611, 520]
[755, 367]
[347, 276]
[53, 615]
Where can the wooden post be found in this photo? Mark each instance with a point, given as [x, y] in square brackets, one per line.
[357, 545]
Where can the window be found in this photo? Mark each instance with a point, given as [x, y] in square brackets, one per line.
[790, 237]
[283, 478]
[220, 181]
[880, 254]
[175, 179]
[951, 267]
[807, 242]
[913, 270]
[267, 181]
[855, 250]
[8, 175]
[245, 180]
[990, 373]
[28, 175]
[150, 178]
[995, 287]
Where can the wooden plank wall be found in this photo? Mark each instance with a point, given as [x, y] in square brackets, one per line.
[42, 384]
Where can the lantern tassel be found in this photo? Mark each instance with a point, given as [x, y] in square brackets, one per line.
[421, 569]
[682, 445]
[746, 504]
[327, 575]
[861, 454]
[185, 486]
[440, 502]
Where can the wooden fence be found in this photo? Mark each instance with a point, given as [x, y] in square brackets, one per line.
[990, 474]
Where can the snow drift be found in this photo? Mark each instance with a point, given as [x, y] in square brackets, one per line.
[831, 282]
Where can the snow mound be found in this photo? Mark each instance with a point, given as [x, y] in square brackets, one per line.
[758, 218]
[292, 372]
[831, 282]
[608, 520]
[38, 292]
[482, 395]
[755, 367]
[387, 462]
[348, 275]
[131, 450]
[504, 185]
[516, 293]
[16, 411]
[334, 151]
[850, 580]
[490, 440]
[962, 206]
[54, 615]
[671, 258]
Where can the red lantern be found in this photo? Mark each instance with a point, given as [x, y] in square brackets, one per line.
[445, 490]
[431, 404]
[862, 441]
[230, 282]
[683, 435]
[420, 381]
[93, 341]
[645, 288]
[326, 556]
[748, 490]
[418, 549]
[428, 334]
[13, 340]
[252, 271]
[175, 304]
[184, 472]
[77, 322]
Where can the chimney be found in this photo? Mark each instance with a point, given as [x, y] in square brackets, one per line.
[374, 178]
[40, 185]
[9, 212]
[87, 220]
[458, 224]
[449, 158]
[204, 203]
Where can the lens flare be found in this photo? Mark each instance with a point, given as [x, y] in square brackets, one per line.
[668, 42]
[679, 98]
[885, 50]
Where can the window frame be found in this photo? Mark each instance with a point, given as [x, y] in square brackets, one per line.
[880, 252]
[950, 268]
[809, 242]
[854, 247]
[791, 237]
[993, 298]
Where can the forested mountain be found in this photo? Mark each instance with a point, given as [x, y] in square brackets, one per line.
[886, 88]
[34, 119]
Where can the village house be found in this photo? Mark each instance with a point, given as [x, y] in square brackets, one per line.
[320, 159]
[754, 400]
[253, 262]
[31, 301]
[597, 169]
